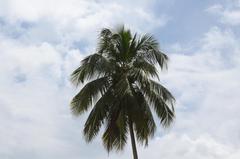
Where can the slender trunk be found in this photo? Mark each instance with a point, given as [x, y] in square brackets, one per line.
[134, 148]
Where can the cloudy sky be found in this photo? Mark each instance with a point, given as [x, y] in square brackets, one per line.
[42, 42]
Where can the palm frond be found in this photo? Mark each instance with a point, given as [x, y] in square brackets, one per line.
[84, 99]
[142, 118]
[93, 65]
[158, 97]
[115, 135]
[165, 94]
[146, 67]
[132, 48]
[148, 48]
[122, 86]
[162, 109]
[97, 115]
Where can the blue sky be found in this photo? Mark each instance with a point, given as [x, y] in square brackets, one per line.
[42, 42]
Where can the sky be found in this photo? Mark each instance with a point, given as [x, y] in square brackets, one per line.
[43, 41]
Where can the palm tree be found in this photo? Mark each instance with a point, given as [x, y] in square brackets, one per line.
[120, 88]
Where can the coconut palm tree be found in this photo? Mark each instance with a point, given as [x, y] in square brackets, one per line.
[121, 89]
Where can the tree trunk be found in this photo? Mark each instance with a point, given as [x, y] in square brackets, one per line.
[134, 148]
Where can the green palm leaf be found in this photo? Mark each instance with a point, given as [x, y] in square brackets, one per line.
[84, 99]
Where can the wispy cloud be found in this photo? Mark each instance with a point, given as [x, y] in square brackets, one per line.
[228, 13]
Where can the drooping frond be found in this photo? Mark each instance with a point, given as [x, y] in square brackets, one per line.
[148, 48]
[115, 135]
[158, 97]
[163, 92]
[84, 99]
[97, 115]
[142, 65]
[93, 65]
[161, 107]
[142, 118]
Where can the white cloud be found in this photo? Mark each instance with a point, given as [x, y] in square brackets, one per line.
[173, 146]
[229, 12]
[34, 111]
[206, 85]
[77, 20]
